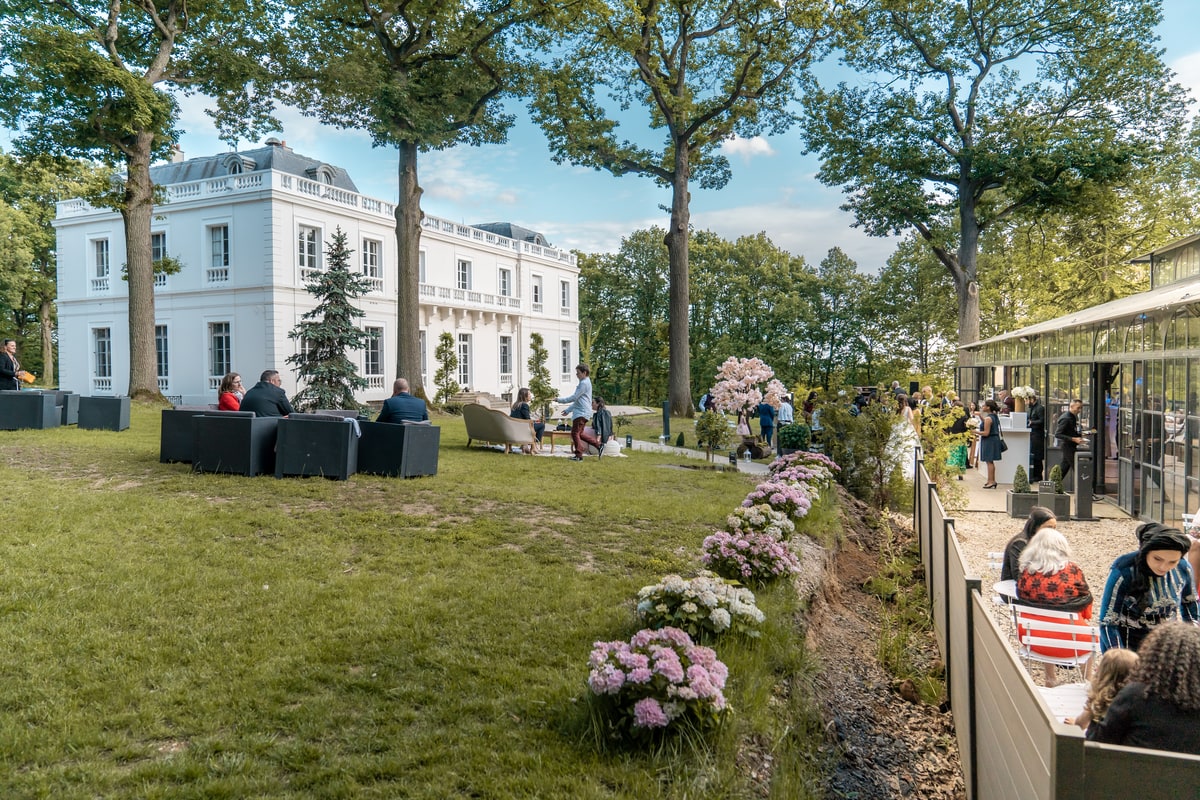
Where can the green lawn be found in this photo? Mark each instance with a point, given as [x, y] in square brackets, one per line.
[170, 635]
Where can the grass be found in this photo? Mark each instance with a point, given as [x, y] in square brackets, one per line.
[171, 635]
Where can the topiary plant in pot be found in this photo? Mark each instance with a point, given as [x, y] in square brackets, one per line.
[1020, 499]
[794, 437]
[1057, 501]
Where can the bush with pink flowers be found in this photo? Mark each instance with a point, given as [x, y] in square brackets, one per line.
[657, 679]
[787, 498]
[748, 557]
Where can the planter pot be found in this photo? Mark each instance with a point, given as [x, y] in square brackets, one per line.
[1060, 504]
[1019, 504]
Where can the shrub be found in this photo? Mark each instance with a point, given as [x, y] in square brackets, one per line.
[1057, 476]
[679, 440]
[760, 518]
[712, 431]
[1020, 480]
[752, 558]
[704, 606]
[659, 678]
[788, 498]
[795, 436]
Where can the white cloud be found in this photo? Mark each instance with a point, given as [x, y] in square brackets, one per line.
[1187, 73]
[747, 148]
[452, 176]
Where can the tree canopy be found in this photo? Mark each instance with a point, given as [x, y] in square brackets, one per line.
[88, 79]
[702, 71]
[972, 112]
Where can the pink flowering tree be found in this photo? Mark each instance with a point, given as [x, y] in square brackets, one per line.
[743, 383]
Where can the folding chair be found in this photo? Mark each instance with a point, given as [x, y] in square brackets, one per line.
[1058, 637]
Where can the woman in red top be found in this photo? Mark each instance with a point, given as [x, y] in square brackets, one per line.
[1050, 579]
[229, 396]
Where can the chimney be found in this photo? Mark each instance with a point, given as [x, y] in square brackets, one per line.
[177, 156]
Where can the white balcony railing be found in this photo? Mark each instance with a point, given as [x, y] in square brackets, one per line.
[102, 385]
[160, 280]
[374, 381]
[374, 284]
[164, 384]
[216, 275]
[100, 284]
[214, 382]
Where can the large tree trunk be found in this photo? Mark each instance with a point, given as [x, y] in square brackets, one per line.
[408, 277]
[966, 282]
[47, 335]
[137, 213]
[679, 370]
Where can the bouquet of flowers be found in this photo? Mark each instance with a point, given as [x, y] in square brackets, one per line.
[787, 498]
[658, 678]
[751, 557]
[1023, 392]
[760, 518]
[705, 606]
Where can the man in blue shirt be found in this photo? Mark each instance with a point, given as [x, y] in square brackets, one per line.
[766, 421]
[402, 406]
[580, 412]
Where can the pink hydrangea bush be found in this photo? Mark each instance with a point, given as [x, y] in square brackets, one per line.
[748, 557]
[760, 518]
[786, 498]
[656, 679]
[812, 461]
[705, 606]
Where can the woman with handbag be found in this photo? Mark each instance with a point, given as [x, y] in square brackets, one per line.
[990, 443]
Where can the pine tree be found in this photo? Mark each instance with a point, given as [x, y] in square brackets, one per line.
[539, 376]
[447, 360]
[327, 332]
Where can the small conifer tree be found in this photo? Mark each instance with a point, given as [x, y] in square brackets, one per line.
[447, 360]
[539, 375]
[327, 332]
[1057, 477]
[1020, 480]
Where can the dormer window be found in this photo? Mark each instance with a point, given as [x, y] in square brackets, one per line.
[236, 164]
[321, 174]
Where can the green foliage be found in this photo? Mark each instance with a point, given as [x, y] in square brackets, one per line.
[679, 440]
[539, 374]
[795, 436]
[978, 139]
[860, 445]
[1020, 482]
[89, 81]
[327, 332]
[1056, 476]
[712, 431]
[447, 359]
[905, 616]
[700, 74]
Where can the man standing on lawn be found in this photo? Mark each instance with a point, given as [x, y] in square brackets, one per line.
[580, 411]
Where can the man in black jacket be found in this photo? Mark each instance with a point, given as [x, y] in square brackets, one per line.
[1069, 435]
[1036, 420]
[266, 399]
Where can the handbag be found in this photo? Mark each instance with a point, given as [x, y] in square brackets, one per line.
[1003, 444]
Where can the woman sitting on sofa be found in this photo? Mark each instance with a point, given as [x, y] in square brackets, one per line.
[520, 410]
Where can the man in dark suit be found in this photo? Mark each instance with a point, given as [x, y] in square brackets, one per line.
[266, 399]
[1069, 436]
[402, 406]
[1036, 421]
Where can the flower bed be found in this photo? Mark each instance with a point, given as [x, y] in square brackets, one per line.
[753, 558]
[704, 606]
[787, 498]
[760, 518]
[658, 678]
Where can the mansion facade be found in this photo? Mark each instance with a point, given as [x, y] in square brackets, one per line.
[248, 228]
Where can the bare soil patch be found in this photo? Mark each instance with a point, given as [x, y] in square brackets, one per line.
[882, 745]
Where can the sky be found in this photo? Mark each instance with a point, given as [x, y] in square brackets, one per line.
[773, 188]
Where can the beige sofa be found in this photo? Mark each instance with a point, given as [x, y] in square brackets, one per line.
[495, 427]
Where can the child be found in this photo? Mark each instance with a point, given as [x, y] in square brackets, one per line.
[1115, 668]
